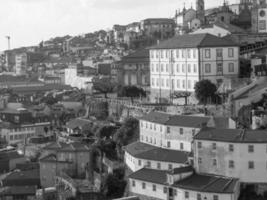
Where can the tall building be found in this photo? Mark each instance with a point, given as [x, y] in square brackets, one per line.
[259, 16]
[176, 65]
[200, 9]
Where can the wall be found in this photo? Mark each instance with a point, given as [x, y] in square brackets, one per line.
[240, 156]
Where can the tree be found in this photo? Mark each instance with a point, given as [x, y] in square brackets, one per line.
[205, 90]
[106, 132]
[132, 92]
[104, 85]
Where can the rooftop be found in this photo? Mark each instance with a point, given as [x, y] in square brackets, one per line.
[136, 57]
[175, 120]
[206, 183]
[232, 135]
[194, 41]
[150, 175]
[149, 152]
[9, 155]
[77, 123]
[18, 190]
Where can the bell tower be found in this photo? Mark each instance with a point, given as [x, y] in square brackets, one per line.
[200, 11]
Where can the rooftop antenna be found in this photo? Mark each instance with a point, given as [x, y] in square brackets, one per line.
[8, 42]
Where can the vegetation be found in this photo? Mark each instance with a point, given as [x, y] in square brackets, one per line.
[206, 91]
[132, 92]
[104, 85]
[244, 117]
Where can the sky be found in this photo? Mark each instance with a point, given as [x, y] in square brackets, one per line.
[28, 22]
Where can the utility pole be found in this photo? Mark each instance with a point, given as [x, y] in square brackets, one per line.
[8, 42]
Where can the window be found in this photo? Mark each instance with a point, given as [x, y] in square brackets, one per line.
[167, 54]
[178, 83]
[139, 162]
[168, 129]
[215, 197]
[183, 84]
[133, 183]
[148, 164]
[193, 132]
[188, 53]
[162, 83]
[169, 144]
[159, 166]
[165, 190]
[181, 131]
[151, 126]
[155, 128]
[157, 82]
[219, 68]
[214, 146]
[177, 53]
[183, 53]
[151, 54]
[230, 52]
[189, 68]
[207, 68]
[177, 68]
[167, 83]
[174, 192]
[161, 54]
[161, 67]
[189, 84]
[186, 195]
[153, 81]
[198, 196]
[154, 188]
[194, 53]
[199, 160]
[250, 148]
[207, 53]
[231, 164]
[167, 67]
[251, 165]
[157, 67]
[181, 146]
[195, 68]
[170, 166]
[160, 128]
[144, 185]
[199, 145]
[214, 162]
[231, 67]
[219, 53]
[152, 67]
[231, 147]
[183, 68]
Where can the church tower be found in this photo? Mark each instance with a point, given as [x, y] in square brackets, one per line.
[200, 11]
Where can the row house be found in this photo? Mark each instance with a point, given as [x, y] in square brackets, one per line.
[177, 64]
[141, 155]
[170, 131]
[181, 184]
[233, 153]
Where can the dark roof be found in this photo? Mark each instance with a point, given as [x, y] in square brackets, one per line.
[159, 20]
[232, 135]
[139, 56]
[78, 123]
[194, 41]
[150, 175]
[55, 146]
[148, 152]
[206, 183]
[230, 27]
[41, 88]
[75, 147]
[52, 159]
[18, 190]
[10, 155]
[175, 120]
[181, 170]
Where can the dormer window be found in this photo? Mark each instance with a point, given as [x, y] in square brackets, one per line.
[168, 129]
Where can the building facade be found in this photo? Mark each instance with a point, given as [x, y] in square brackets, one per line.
[176, 65]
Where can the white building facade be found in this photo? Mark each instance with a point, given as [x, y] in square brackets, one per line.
[176, 65]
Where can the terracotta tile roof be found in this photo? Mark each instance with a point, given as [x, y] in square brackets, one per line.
[148, 152]
[232, 135]
[175, 120]
[194, 41]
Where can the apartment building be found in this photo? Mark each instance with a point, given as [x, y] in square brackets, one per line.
[177, 64]
[170, 131]
[181, 184]
[233, 153]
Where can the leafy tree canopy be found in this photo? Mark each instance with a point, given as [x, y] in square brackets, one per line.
[104, 85]
[205, 90]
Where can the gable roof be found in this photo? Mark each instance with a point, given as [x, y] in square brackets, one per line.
[206, 183]
[139, 56]
[150, 175]
[175, 120]
[194, 41]
[232, 135]
[77, 123]
[149, 152]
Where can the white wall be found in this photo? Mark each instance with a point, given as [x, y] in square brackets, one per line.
[240, 156]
